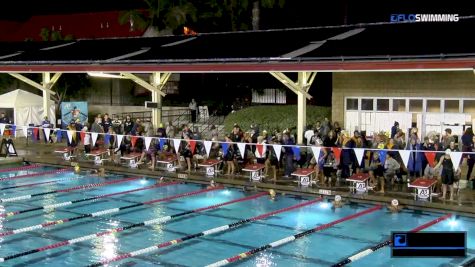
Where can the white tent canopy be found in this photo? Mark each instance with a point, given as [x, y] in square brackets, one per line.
[27, 107]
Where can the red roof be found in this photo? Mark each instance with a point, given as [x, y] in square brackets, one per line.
[80, 26]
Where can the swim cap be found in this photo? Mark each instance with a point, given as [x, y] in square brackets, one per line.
[394, 202]
[337, 198]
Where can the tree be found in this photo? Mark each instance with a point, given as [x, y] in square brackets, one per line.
[160, 14]
[47, 35]
[236, 15]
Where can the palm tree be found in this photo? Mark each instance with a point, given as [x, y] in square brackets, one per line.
[160, 14]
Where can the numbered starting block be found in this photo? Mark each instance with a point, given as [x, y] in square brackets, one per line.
[66, 153]
[131, 160]
[423, 188]
[211, 166]
[255, 171]
[169, 161]
[359, 183]
[304, 176]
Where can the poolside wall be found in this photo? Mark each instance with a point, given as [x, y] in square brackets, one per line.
[450, 84]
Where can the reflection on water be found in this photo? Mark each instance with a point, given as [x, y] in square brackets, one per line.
[2, 210]
[265, 259]
[105, 247]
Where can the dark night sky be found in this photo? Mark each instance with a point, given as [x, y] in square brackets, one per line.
[295, 14]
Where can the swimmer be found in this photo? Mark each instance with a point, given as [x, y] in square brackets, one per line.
[395, 207]
[77, 169]
[26, 163]
[211, 185]
[337, 203]
[102, 172]
[161, 179]
[272, 194]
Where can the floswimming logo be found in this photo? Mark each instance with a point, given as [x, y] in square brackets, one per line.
[424, 18]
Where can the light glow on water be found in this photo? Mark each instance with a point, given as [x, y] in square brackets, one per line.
[226, 192]
[325, 205]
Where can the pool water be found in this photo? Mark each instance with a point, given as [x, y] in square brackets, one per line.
[319, 249]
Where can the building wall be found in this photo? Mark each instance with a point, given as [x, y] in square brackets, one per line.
[450, 84]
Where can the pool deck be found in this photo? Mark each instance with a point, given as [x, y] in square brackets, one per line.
[464, 204]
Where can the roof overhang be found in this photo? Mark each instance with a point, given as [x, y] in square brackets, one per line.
[235, 67]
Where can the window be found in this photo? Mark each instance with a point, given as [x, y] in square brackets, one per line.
[382, 105]
[352, 104]
[415, 105]
[451, 106]
[367, 104]
[469, 106]
[433, 105]
[399, 105]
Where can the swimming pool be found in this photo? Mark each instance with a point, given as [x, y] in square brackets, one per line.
[322, 248]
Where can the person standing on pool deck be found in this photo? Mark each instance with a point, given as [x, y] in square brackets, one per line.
[192, 107]
[448, 174]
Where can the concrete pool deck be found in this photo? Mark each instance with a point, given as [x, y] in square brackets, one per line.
[464, 204]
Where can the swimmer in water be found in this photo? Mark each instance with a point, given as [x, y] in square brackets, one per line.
[395, 207]
[211, 185]
[272, 194]
[337, 203]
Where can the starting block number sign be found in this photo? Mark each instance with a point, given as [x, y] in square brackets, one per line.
[132, 164]
[97, 160]
[170, 167]
[423, 193]
[304, 181]
[361, 187]
[210, 171]
[255, 176]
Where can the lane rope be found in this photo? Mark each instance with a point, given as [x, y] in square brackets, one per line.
[71, 202]
[80, 187]
[203, 233]
[372, 249]
[43, 183]
[160, 220]
[104, 212]
[28, 167]
[35, 174]
[291, 238]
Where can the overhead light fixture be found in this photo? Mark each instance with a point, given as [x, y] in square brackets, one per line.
[105, 75]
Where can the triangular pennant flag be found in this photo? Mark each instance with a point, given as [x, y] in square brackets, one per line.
[148, 140]
[456, 157]
[296, 151]
[192, 145]
[359, 153]
[59, 136]
[316, 152]
[261, 149]
[14, 130]
[225, 147]
[70, 136]
[382, 156]
[405, 154]
[176, 145]
[107, 139]
[162, 142]
[242, 148]
[277, 150]
[337, 153]
[133, 140]
[94, 138]
[430, 156]
[25, 130]
[208, 147]
[2, 128]
[47, 132]
[119, 139]
[82, 134]
[35, 133]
